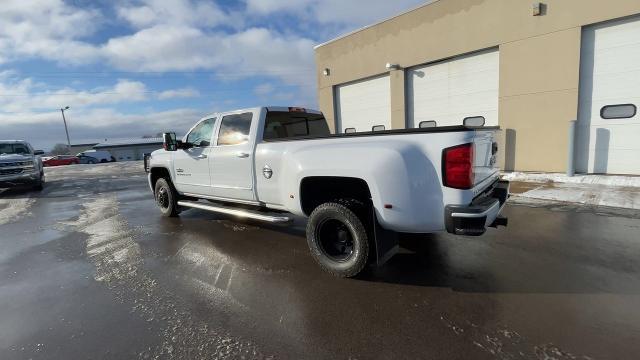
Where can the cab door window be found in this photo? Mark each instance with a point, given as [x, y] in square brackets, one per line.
[234, 129]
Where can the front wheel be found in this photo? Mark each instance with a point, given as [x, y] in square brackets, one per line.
[338, 239]
[166, 198]
[39, 185]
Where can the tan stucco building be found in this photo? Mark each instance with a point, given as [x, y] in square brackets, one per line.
[515, 62]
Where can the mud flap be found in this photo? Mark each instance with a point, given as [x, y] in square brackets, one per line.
[386, 241]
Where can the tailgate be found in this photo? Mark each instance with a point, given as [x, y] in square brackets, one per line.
[485, 162]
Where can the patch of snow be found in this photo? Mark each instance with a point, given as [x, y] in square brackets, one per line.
[607, 180]
[13, 209]
[586, 194]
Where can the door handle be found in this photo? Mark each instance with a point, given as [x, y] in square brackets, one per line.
[201, 156]
[242, 155]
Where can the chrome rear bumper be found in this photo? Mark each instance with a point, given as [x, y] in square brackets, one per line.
[473, 219]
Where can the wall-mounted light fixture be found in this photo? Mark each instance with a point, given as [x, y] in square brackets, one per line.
[391, 66]
[538, 9]
[326, 72]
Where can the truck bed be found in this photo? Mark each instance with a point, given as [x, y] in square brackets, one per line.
[441, 129]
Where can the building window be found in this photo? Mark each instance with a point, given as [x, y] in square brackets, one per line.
[427, 124]
[621, 111]
[473, 121]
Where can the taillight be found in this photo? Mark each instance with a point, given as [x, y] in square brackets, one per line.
[457, 166]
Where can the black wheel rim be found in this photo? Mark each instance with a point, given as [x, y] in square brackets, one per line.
[162, 198]
[335, 240]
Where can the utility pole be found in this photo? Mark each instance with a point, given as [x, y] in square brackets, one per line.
[65, 129]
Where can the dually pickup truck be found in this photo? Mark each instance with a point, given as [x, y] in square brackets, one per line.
[358, 190]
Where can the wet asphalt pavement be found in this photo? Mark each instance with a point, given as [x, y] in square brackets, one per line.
[90, 270]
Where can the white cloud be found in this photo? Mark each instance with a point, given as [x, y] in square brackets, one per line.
[49, 29]
[254, 51]
[271, 6]
[249, 53]
[178, 93]
[26, 95]
[163, 48]
[21, 100]
[147, 13]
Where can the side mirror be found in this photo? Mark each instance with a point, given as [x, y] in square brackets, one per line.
[473, 121]
[38, 152]
[169, 142]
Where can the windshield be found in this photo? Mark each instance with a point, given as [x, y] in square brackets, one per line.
[7, 149]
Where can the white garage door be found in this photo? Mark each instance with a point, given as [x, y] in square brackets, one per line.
[363, 105]
[450, 91]
[608, 130]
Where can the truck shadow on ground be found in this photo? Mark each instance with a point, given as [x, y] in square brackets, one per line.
[429, 261]
[435, 260]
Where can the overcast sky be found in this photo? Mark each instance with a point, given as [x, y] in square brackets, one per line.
[135, 67]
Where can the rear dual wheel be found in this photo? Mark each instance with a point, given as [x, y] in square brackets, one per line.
[338, 240]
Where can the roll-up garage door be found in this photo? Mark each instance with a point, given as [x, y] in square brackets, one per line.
[608, 133]
[363, 104]
[447, 92]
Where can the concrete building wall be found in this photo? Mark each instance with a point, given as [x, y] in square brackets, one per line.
[539, 63]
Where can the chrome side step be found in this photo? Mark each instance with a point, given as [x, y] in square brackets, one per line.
[242, 213]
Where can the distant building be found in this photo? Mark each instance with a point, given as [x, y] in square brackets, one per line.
[78, 148]
[130, 149]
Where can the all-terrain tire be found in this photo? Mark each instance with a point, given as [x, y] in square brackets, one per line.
[323, 246]
[166, 198]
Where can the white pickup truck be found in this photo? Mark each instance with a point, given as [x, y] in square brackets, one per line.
[358, 190]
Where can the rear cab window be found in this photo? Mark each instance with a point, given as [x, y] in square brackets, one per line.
[290, 124]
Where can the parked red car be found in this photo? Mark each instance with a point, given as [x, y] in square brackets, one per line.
[61, 160]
